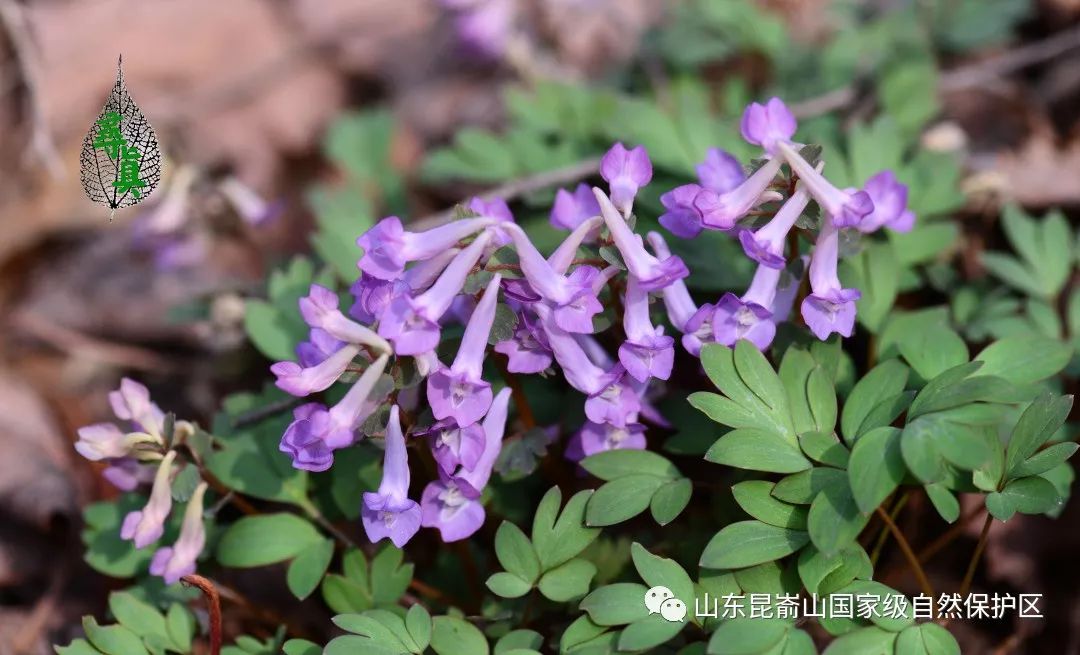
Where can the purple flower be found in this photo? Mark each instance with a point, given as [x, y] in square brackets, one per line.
[173, 563]
[572, 296]
[698, 330]
[626, 171]
[131, 402]
[563, 257]
[388, 247]
[146, 526]
[485, 27]
[248, 204]
[615, 401]
[459, 392]
[829, 308]
[102, 441]
[495, 209]
[580, 372]
[452, 504]
[720, 172]
[528, 350]
[768, 125]
[766, 245]
[412, 322]
[749, 317]
[647, 352]
[388, 513]
[595, 438]
[455, 446]
[316, 432]
[126, 473]
[847, 208]
[572, 209]
[169, 215]
[890, 204]
[653, 274]
[305, 380]
[373, 295]
[720, 211]
[320, 310]
[680, 306]
[317, 348]
[682, 218]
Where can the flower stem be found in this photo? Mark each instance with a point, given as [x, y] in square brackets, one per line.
[965, 586]
[901, 540]
[213, 602]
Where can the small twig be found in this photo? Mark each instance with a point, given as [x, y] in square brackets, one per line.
[213, 602]
[883, 536]
[902, 542]
[965, 586]
[980, 73]
[949, 535]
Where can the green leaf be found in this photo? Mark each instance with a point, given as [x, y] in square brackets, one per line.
[834, 520]
[1046, 459]
[876, 468]
[881, 617]
[933, 350]
[301, 647]
[342, 214]
[112, 639]
[1032, 495]
[581, 632]
[418, 623]
[352, 644]
[1037, 424]
[875, 272]
[77, 647]
[136, 615]
[883, 381]
[265, 539]
[755, 498]
[519, 639]
[614, 464]
[516, 553]
[567, 581]
[864, 641]
[755, 397]
[308, 568]
[824, 447]
[508, 585]
[557, 541]
[1024, 359]
[616, 604]
[389, 576]
[658, 571]
[670, 500]
[823, 574]
[758, 450]
[181, 626]
[105, 550]
[744, 636]
[621, 499]
[648, 633]
[803, 487]
[944, 501]
[747, 543]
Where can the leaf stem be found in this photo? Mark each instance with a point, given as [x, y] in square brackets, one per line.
[884, 535]
[901, 540]
[965, 586]
[949, 535]
[213, 602]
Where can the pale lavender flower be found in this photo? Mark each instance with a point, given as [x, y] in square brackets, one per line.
[647, 351]
[498, 211]
[459, 392]
[317, 348]
[412, 322]
[452, 503]
[677, 301]
[595, 438]
[126, 473]
[615, 401]
[890, 204]
[176, 561]
[320, 310]
[484, 26]
[720, 172]
[720, 211]
[768, 125]
[846, 208]
[830, 308]
[249, 205]
[749, 317]
[146, 526]
[766, 245]
[572, 209]
[527, 351]
[305, 380]
[454, 446]
[374, 295]
[625, 171]
[580, 372]
[388, 247]
[653, 274]
[102, 441]
[698, 330]
[388, 513]
[131, 402]
[169, 215]
[316, 432]
[682, 218]
[563, 257]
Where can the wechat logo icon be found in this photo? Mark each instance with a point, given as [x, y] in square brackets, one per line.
[660, 600]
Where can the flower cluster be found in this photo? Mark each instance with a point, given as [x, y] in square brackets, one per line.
[146, 442]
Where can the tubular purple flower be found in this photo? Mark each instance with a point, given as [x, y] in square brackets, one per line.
[459, 392]
[572, 209]
[452, 504]
[303, 381]
[146, 526]
[249, 205]
[126, 473]
[720, 211]
[595, 438]
[653, 274]
[749, 317]
[388, 513]
[563, 257]
[454, 446]
[579, 371]
[412, 322]
[388, 247]
[682, 218]
[647, 352]
[699, 329]
[374, 295]
[890, 204]
[320, 310]
[131, 402]
[766, 245]
[101, 441]
[768, 125]
[847, 208]
[625, 171]
[829, 308]
[528, 350]
[720, 172]
[173, 563]
[680, 306]
[317, 348]
[316, 431]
